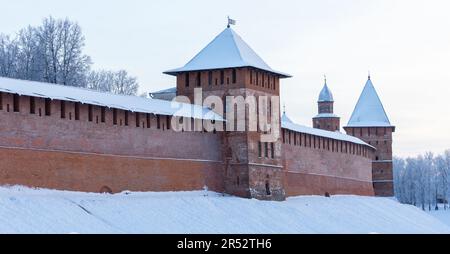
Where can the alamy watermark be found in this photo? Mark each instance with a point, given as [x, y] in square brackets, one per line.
[231, 113]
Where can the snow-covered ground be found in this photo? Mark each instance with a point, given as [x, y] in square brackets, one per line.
[441, 214]
[24, 210]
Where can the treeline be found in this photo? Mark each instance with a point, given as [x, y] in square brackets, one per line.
[423, 181]
[53, 52]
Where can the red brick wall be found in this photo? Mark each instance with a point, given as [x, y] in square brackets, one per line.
[316, 171]
[84, 155]
[92, 172]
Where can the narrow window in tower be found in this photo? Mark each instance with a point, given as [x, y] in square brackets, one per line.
[138, 119]
[368, 131]
[222, 77]
[103, 114]
[259, 149]
[32, 105]
[360, 132]
[186, 79]
[148, 120]
[210, 78]
[199, 79]
[77, 111]
[289, 137]
[48, 107]
[262, 79]
[90, 113]
[126, 118]
[283, 135]
[234, 76]
[63, 109]
[216, 82]
[16, 103]
[295, 138]
[257, 78]
[114, 116]
[272, 150]
[168, 122]
[158, 122]
[266, 150]
[251, 77]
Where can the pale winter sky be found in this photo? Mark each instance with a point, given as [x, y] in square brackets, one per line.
[404, 43]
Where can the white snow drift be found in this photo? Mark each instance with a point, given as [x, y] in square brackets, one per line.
[24, 210]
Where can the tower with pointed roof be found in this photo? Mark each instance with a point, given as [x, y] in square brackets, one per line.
[370, 123]
[227, 66]
[326, 119]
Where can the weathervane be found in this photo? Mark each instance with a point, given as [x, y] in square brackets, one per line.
[369, 75]
[325, 77]
[231, 22]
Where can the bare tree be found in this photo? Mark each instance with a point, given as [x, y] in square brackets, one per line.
[116, 82]
[61, 44]
[8, 57]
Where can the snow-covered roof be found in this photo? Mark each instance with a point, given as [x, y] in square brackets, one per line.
[326, 115]
[169, 90]
[227, 50]
[369, 111]
[326, 95]
[87, 96]
[321, 133]
[285, 118]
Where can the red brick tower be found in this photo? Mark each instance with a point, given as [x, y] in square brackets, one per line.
[229, 67]
[370, 123]
[326, 119]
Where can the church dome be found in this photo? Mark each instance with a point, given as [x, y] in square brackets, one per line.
[326, 95]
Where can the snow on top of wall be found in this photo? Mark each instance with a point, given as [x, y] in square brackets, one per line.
[326, 115]
[227, 50]
[25, 210]
[322, 133]
[369, 111]
[87, 96]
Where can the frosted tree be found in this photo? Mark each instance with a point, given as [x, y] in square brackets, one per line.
[100, 80]
[124, 84]
[53, 53]
[8, 57]
[119, 82]
[29, 63]
[61, 45]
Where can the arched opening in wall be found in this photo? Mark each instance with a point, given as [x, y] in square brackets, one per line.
[268, 192]
[377, 158]
[327, 195]
[106, 190]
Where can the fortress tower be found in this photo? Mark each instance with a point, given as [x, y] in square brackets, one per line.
[326, 119]
[229, 67]
[370, 123]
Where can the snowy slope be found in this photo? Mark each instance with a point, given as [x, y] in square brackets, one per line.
[25, 210]
[442, 215]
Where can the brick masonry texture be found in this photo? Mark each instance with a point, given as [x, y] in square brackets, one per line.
[89, 148]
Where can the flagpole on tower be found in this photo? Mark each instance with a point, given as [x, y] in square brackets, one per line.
[231, 22]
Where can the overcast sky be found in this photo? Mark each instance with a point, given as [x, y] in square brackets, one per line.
[405, 44]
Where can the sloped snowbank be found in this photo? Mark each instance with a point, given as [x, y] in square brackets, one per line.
[24, 210]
